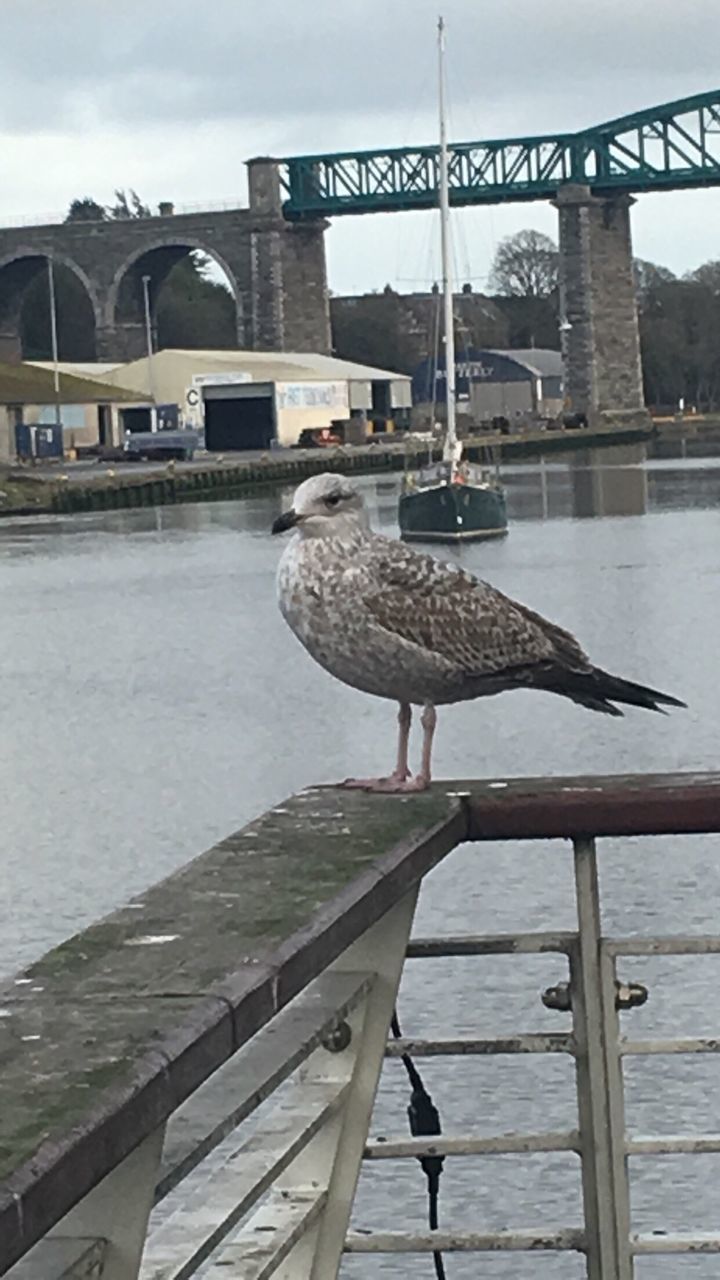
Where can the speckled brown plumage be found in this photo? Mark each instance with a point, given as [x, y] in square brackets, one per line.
[399, 624]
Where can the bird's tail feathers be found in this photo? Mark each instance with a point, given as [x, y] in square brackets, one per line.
[599, 690]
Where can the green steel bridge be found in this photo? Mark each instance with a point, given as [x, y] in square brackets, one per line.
[664, 148]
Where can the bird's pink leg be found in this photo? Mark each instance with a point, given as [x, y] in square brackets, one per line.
[428, 721]
[399, 782]
[401, 771]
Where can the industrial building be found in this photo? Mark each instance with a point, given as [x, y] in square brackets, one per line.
[30, 405]
[491, 384]
[253, 399]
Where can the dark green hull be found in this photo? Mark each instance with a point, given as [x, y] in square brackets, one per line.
[452, 513]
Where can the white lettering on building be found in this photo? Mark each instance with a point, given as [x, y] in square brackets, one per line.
[311, 395]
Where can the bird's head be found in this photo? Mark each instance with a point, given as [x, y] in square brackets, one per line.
[324, 506]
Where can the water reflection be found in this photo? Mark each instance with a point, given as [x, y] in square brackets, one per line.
[618, 488]
[626, 480]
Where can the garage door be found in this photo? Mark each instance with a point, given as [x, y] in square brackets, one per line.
[245, 423]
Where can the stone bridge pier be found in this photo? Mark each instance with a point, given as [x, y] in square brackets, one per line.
[275, 269]
[598, 308]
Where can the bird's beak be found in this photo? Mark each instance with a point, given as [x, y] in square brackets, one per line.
[286, 521]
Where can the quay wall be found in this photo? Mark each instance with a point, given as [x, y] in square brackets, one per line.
[219, 481]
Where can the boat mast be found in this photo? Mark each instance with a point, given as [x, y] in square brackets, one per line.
[450, 450]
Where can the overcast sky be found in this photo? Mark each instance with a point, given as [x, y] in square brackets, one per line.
[171, 99]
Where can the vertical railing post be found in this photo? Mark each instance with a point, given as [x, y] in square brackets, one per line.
[117, 1210]
[382, 951]
[616, 1114]
[589, 1028]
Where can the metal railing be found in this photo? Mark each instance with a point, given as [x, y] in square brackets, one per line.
[249, 1168]
[56, 218]
[593, 996]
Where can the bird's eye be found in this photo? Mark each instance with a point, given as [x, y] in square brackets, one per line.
[332, 499]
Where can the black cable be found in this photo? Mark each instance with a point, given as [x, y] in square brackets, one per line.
[424, 1120]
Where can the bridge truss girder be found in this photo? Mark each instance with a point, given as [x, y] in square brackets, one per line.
[670, 147]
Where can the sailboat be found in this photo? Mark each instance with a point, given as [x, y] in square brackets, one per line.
[453, 500]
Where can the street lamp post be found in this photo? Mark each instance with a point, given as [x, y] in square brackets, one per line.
[148, 338]
[54, 341]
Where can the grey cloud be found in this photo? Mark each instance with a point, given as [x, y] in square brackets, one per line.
[172, 99]
[529, 66]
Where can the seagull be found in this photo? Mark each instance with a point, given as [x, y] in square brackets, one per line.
[391, 621]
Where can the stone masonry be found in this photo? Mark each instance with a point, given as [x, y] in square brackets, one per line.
[277, 273]
[601, 343]
[276, 270]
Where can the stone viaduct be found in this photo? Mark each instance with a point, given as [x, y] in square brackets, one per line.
[276, 270]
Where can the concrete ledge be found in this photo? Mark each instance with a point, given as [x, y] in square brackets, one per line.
[105, 1036]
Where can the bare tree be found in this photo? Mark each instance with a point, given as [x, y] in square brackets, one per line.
[87, 209]
[649, 277]
[131, 207]
[707, 275]
[525, 266]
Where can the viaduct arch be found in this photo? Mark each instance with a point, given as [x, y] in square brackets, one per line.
[275, 269]
[18, 270]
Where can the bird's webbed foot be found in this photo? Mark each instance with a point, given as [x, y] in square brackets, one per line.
[392, 785]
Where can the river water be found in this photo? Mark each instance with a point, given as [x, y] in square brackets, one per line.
[152, 700]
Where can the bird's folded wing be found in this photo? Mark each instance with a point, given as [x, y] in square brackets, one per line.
[465, 622]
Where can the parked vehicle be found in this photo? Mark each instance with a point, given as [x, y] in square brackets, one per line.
[151, 445]
[318, 438]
